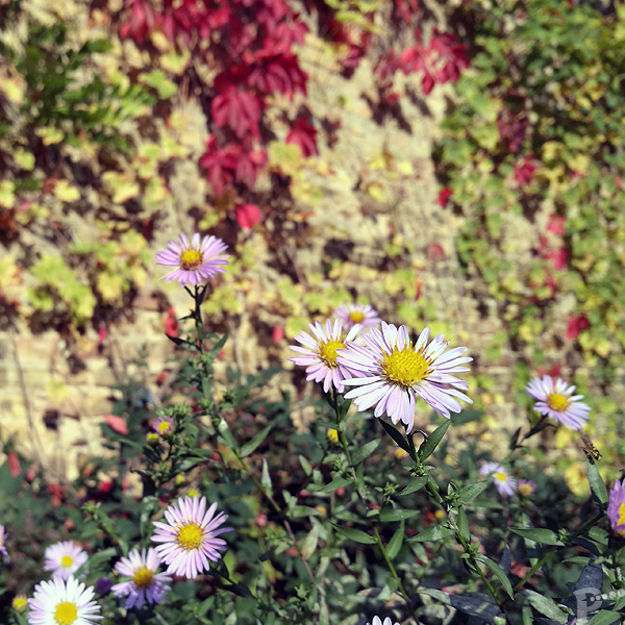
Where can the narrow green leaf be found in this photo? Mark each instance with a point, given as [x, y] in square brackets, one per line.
[394, 545]
[597, 485]
[357, 536]
[250, 446]
[305, 465]
[309, 544]
[336, 483]
[538, 534]
[387, 516]
[546, 606]
[432, 534]
[226, 434]
[463, 525]
[265, 478]
[417, 484]
[470, 492]
[365, 451]
[498, 572]
[605, 617]
[400, 441]
[431, 442]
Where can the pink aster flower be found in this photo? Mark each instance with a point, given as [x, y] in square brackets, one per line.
[195, 261]
[145, 584]
[3, 537]
[526, 487]
[377, 621]
[357, 314]
[189, 538]
[64, 602]
[556, 400]
[163, 425]
[504, 484]
[319, 352]
[392, 372]
[616, 507]
[64, 559]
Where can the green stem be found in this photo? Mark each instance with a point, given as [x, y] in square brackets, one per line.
[389, 564]
[533, 570]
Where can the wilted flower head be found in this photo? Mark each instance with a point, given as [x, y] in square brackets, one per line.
[3, 536]
[64, 559]
[319, 352]
[387, 621]
[189, 538]
[195, 260]
[526, 487]
[64, 603]
[504, 484]
[357, 314]
[392, 372]
[556, 400]
[145, 584]
[616, 507]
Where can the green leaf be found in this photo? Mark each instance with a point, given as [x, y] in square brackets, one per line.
[498, 572]
[546, 606]
[305, 465]
[605, 617]
[265, 478]
[539, 535]
[432, 534]
[250, 446]
[394, 545]
[157, 79]
[417, 484]
[400, 441]
[357, 536]
[226, 434]
[309, 544]
[337, 482]
[597, 485]
[365, 451]
[463, 525]
[387, 516]
[470, 492]
[431, 442]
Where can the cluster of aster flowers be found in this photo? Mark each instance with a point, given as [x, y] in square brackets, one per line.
[386, 370]
[187, 542]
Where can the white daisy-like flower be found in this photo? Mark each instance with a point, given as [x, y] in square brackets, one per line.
[3, 537]
[555, 399]
[392, 372]
[63, 602]
[189, 538]
[387, 621]
[504, 484]
[194, 260]
[64, 559]
[319, 352]
[357, 314]
[145, 584]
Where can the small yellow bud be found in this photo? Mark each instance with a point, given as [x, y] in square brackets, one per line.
[321, 510]
[439, 515]
[333, 435]
[152, 437]
[400, 453]
[193, 493]
[20, 603]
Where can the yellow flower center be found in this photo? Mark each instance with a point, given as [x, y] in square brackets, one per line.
[143, 578]
[65, 613]
[502, 477]
[328, 354]
[405, 367]
[190, 536]
[557, 402]
[163, 427]
[19, 603]
[67, 561]
[356, 317]
[621, 512]
[191, 259]
[525, 489]
[193, 493]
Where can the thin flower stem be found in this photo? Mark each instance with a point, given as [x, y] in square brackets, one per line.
[533, 570]
[389, 563]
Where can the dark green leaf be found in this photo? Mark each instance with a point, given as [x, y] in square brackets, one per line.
[597, 485]
[432, 534]
[387, 516]
[416, 484]
[498, 572]
[250, 446]
[463, 525]
[605, 617]
[470, 492]
[431, 442]
[539, 535]
[357, 536]
[400, 441]
[394, 545]
[546, 606]
[365, 451]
